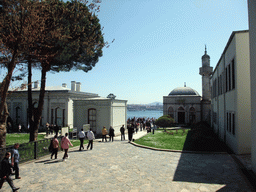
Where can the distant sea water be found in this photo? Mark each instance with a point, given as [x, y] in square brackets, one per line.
[146, 114]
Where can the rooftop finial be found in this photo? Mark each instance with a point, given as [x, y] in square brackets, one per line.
[205, 52]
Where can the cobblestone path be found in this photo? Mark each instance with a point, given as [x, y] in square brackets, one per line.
[120, 166]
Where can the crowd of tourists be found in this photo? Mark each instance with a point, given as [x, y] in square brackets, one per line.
[10, 163]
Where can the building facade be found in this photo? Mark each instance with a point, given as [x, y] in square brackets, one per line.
[69, 108]
[231, 104]
[183, 104]
[252, 38]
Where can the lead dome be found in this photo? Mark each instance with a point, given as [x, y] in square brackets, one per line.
[183, 91]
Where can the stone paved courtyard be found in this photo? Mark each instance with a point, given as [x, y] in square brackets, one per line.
[120, 166]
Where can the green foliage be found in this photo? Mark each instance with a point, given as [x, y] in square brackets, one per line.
[20, 138]
[164, 121]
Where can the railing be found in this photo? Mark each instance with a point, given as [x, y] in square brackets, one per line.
[31, 150]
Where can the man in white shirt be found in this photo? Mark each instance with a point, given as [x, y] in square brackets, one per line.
[90, 136]
[81, 136]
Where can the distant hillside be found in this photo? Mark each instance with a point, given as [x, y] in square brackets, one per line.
[155, 103]
[140, 107]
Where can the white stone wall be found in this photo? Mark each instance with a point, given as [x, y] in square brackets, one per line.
[119, 115]
[104, 112]
[252, 29]
[235, 101]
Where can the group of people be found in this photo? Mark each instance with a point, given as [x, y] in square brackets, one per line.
[65, 143]
[51, 129]
[11, 160]
[89, 135]
[9, 164]
[141, 123]
[105, 132]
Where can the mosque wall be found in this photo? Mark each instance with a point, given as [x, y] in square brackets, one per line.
[189, 105]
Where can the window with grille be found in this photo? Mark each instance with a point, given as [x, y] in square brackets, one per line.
[92, 118]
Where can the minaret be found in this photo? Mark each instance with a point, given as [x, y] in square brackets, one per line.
[206, 71]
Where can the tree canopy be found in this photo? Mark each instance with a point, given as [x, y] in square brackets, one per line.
[59, 36]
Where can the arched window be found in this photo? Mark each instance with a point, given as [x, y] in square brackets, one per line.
[58, 116]
[181, 109]
[171, 112]
[92, 118]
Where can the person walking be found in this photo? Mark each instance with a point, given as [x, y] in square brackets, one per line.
[55, 147]
[130, 132]
[6, 172]
[122, 130]
[81, 136]
[65, 142]
[15, 160]
[90, 136]
[104, 134]
[111, 133]
[56, 129]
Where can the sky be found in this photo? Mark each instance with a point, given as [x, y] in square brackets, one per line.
[158, 46]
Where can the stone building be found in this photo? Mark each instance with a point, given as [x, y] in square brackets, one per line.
[183, 104]
[252, 38]
[69, 107]
[231, 103]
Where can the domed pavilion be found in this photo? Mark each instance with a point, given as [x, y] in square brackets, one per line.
[183, 104]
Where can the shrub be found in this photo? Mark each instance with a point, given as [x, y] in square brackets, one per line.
[164, 121]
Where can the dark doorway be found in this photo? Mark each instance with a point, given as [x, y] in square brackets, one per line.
[181, 117]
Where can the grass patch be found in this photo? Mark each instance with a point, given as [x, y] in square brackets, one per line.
[199, 138]
[20, 138]
[76, 142]
[164, 140]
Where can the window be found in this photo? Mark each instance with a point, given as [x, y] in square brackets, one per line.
[226, 72]
[18, 112]
[233, 74]
[92, 118]
[58, 116]
[231, 122]
[229, 78]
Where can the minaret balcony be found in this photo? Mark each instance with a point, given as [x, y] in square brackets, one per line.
[205, 70]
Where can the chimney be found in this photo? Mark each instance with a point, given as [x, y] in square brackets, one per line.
[36, 84]
[78, 87]
[64, 85]
[73, 86]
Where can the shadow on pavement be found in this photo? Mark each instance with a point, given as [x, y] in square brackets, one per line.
[54, 161]
[77, 151]
[208, 167]
[43, 161]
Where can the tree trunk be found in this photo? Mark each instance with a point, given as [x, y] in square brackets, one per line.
[30, 104]
[5, 84]
[39, 109]
[3, 106]
[3, 131]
